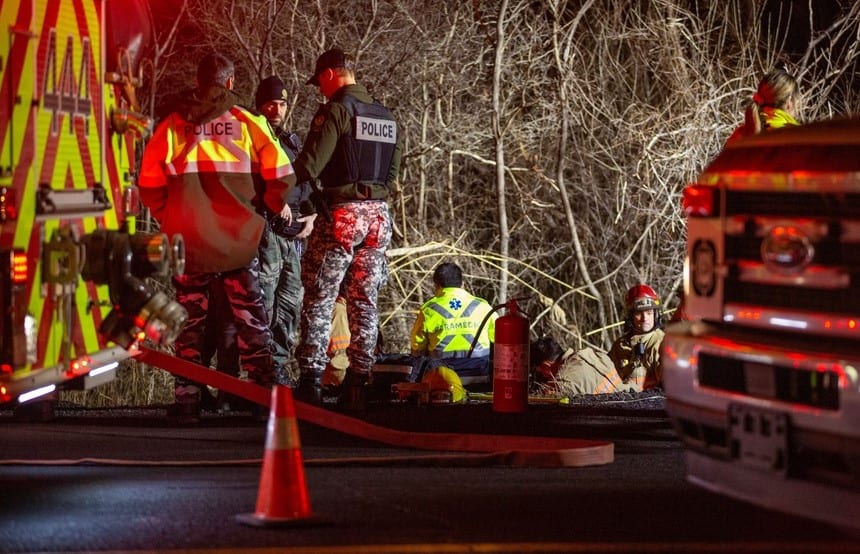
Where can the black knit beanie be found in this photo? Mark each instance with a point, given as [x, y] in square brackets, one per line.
[270, 88]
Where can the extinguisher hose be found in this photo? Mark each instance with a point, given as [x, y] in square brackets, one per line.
[481, 328]
[484, 321]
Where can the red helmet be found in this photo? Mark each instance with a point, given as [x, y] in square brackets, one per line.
[641, 298]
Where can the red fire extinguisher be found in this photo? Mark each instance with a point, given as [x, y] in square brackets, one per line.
[511, 361]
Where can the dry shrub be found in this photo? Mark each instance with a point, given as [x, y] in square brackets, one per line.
[136, 385]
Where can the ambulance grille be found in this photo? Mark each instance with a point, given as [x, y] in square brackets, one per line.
[818, 389]
[828, 252]
[832, 251]
[833, 301]
[806, 204]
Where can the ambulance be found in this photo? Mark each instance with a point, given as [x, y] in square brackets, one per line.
[762, 381]
[76, 294]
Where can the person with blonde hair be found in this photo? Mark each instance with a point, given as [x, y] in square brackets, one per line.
[774, 105]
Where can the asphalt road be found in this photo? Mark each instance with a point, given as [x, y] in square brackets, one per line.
[127, 480]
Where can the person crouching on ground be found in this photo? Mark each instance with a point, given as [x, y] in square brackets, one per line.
[447, 326]
[636, 354]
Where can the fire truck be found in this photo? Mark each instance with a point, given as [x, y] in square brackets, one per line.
[75, 293]
[763, 379]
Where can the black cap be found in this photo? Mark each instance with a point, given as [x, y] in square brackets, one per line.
[329, 59]
[270, 88]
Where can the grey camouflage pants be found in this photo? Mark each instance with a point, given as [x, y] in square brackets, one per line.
[348, 250]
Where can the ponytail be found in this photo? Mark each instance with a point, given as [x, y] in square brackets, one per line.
[752, 119]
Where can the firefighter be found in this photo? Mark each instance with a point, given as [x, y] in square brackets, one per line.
[633, 363]
[573, 372]
[283, 242]
[197, 179]
[353, 148]
[447, 324]
[444, 386]
[774, 105]
[338, 343]
[636, 354]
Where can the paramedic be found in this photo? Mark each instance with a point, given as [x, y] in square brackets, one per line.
[448, 324]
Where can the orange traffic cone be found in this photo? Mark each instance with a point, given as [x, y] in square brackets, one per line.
[282, 499]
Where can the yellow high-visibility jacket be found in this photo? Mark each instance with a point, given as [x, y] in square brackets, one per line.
[771, 118]
[447, 325]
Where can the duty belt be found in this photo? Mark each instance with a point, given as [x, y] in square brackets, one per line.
[356, 191]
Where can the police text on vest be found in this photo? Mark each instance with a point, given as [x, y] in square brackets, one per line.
[376, 130]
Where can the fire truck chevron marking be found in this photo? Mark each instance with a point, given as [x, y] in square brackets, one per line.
[56, 146]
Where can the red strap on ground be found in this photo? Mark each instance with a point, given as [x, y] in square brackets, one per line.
[525, 450]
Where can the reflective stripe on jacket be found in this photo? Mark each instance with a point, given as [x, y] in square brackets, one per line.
[197, 180]
[645, 369]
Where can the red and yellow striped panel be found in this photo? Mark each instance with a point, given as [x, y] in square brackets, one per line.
[57, 134]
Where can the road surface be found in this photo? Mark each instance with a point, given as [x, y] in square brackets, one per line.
[127, 480]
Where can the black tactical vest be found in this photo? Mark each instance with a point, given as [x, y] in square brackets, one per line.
[362, 160]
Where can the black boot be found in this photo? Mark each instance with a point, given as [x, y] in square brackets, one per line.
[186, 408]
[354, 391]
[309, 391]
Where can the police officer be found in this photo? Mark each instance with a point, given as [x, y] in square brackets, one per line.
[282, 243]
[197, 179]
[353, 148]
